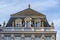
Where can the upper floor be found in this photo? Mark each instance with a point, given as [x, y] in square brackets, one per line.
[28, 20]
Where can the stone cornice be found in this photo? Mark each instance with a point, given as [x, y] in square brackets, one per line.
[52, 32]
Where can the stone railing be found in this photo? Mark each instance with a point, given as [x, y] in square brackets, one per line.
[27, 29]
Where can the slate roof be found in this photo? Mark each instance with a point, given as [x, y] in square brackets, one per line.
[26, 12]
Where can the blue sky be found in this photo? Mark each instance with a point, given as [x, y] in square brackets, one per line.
[51, 8]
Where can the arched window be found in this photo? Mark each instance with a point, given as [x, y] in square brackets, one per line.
[28, 22]
[37, 24]
[18, 25]
[18, 22]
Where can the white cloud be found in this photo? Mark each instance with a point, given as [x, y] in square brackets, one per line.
[57, 27]
[40, 5]
[2, 5]
[57, 22]
[7, 8]
[44, 5]
[58, 35]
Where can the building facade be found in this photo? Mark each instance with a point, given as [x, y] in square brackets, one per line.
[27, 24]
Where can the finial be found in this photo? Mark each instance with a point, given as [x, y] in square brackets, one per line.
[0, 25]
[4, 23]
[52, 24]
[29, 6]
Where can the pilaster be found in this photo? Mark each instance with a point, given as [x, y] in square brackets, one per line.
[22, 37]
[42, 37]
[12, 36]
[2, 36]
[33, 37]
[53, 37]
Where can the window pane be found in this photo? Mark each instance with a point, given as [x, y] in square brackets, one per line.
[17, 38]
[27, 38]
[18, 24]
[7, 38]
[27, 24]
[48, 38]
[37, 38]
[38, 24]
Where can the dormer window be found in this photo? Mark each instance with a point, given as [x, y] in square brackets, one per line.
[18, 22]
[37, 23]
[27, 22]
[18, 25]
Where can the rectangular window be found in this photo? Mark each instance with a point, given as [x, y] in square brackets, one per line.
[28, 38]
[48, 38]
[37, 24]
[37, 38]
[7, 37]
[17, 38]
[28, 24]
